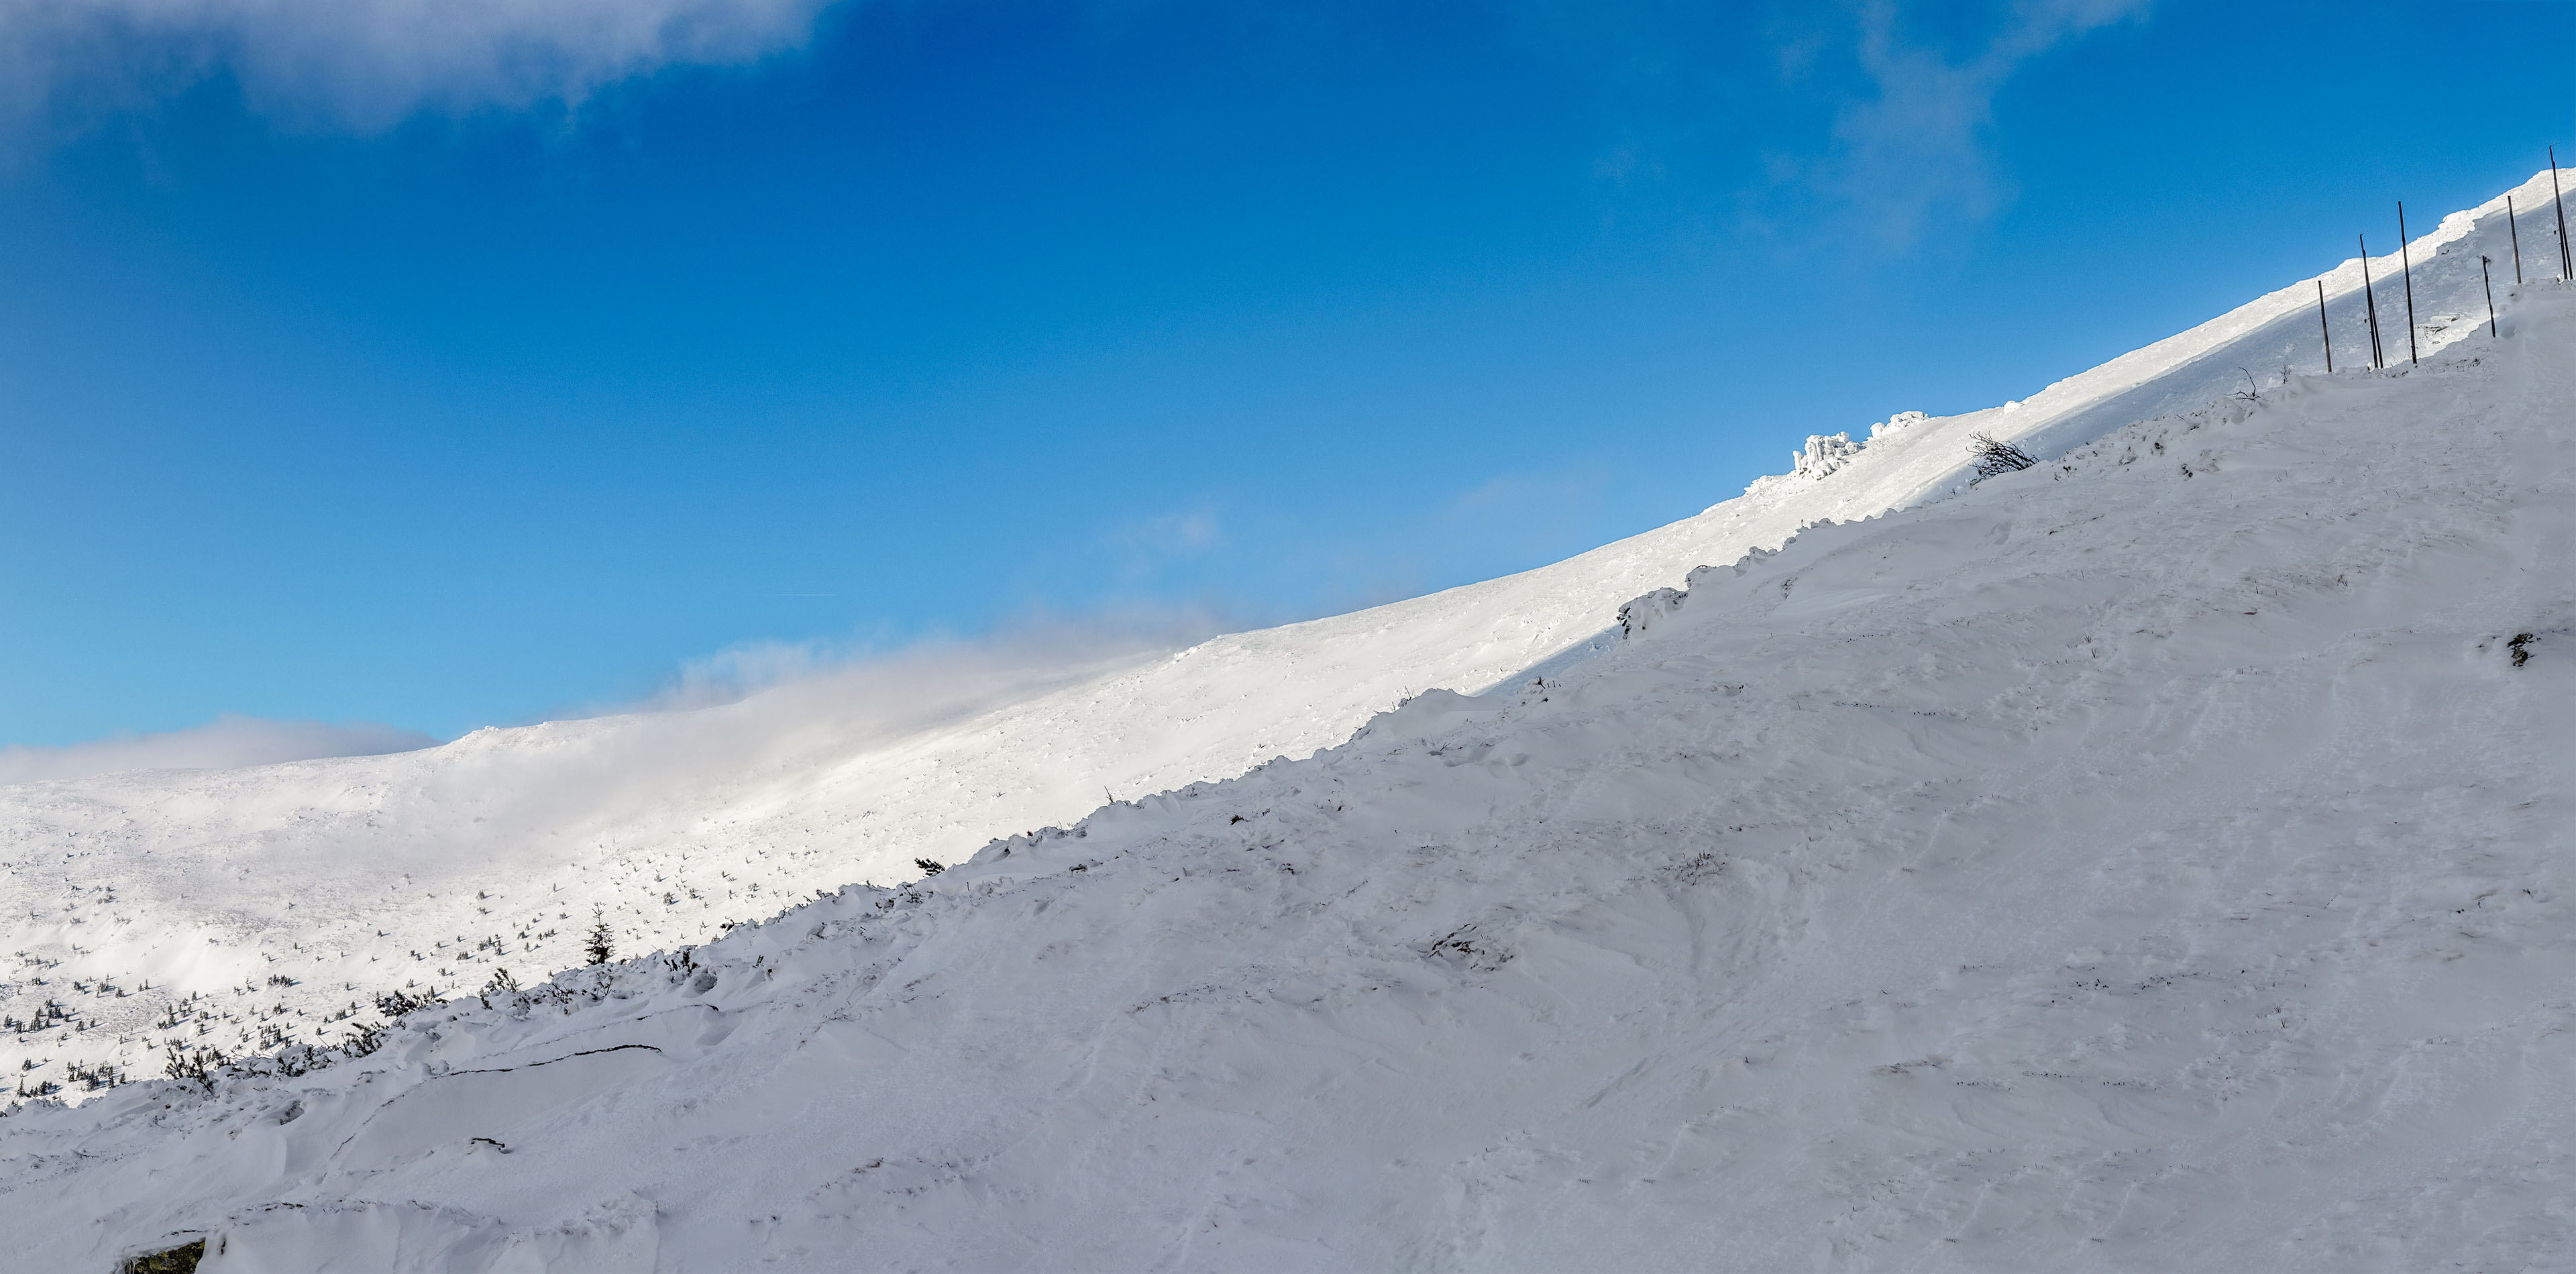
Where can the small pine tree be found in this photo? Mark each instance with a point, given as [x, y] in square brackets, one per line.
[201, 1066]
[928, 867]
[598, 944]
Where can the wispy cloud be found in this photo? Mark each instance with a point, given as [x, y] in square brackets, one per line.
[761, 711]
[228, 742]
[856, 678]
[1868, 115]
[1920, 143]
[1148, 544]
[368, 63]
[753, 705]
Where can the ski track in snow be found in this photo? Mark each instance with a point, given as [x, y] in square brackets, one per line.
[2148, 860]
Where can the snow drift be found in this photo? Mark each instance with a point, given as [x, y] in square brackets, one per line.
[2150, 859]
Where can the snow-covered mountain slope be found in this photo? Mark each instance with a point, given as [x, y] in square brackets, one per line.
[2154, 859]
[272, 902]
[283, 897]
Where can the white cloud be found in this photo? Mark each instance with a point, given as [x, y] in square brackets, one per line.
[750, 701]
[227, 742]
[368, 63]
[852, 680]
[1921, 142]
[762, 710]
[1150, 543]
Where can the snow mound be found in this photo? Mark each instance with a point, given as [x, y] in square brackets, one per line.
[2155, 858]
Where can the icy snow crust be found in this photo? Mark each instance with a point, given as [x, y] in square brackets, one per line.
[2148, 860]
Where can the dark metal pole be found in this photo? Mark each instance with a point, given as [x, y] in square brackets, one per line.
[2489, 280]
[2370, 305]
[2565, 270]
[2323, 331]
[2516, 232]
[2408, 263]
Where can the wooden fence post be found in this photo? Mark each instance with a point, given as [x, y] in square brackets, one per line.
[2370, 305]
[2407, 262]
[2324, 332]
[2489, 280]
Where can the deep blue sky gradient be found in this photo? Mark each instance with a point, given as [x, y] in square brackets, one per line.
[970, 309]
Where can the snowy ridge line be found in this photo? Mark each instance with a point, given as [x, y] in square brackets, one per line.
[2267, 338]
[1640, 613]
[1827, 453]
[2275, 332]
[2159, 866]
[2085, 459]
[2343, 282]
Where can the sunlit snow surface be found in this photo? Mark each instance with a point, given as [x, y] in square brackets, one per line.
[2148, 860]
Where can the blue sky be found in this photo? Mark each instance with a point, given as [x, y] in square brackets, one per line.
[347, 373]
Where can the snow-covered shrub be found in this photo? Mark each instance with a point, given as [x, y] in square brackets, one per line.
[175, 1260]
[1824, 454]
[200, 1066]
[396, 1004]
[1640, 612]
[1995, 456]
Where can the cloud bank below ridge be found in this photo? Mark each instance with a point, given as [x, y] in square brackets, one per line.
[225, 743]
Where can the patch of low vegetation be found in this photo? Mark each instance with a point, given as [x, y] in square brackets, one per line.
[175, 1260]
[1995, 456]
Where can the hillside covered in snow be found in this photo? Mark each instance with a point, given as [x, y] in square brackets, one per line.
[2152, 858]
